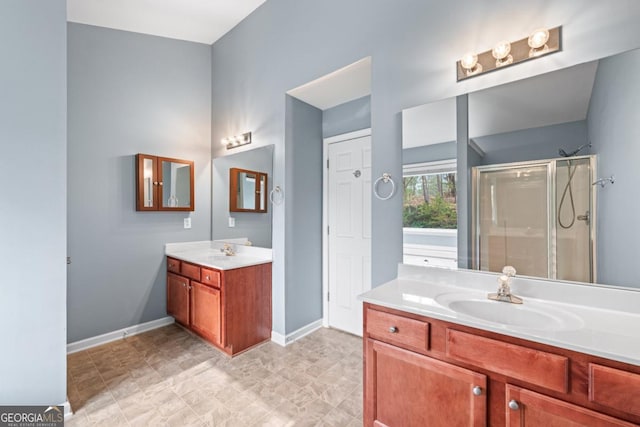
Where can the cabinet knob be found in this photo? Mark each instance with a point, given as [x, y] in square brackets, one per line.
[207, 277]
[477, 390]
[184, 285]
[393, 330]
[514, 405]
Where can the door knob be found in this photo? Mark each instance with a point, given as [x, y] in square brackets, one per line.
[357, 173]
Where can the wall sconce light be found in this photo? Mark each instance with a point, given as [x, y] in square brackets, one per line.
[237, 141]
[539, 43]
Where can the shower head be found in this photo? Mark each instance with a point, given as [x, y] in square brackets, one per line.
[574, 152]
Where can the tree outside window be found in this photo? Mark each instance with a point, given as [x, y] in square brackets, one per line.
[430, 201]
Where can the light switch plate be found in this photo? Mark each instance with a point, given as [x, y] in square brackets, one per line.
[232, 221]
[187, 223]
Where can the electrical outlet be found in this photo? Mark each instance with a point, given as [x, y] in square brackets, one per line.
[232, 221]
[187, 223]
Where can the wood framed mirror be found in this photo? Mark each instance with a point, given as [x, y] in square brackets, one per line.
[247, 191]
[164, 184]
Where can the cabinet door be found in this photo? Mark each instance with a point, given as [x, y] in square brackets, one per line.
[527, 408]
[178, 298]
[403, 388]
[147, 183]
[205, 311]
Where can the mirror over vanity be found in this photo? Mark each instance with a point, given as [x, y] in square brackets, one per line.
[240, 200]
[164, 184]
[552, 171]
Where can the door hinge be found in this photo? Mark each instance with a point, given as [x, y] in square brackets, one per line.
[328, 299]
[327, 163]
[327, 230]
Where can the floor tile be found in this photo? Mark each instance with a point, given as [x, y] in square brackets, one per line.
[169, 377]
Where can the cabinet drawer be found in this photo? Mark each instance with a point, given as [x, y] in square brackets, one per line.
[614, 388]
[210, 277]
[190, 270]
[398, 330]
[173, 265]
[533, 366]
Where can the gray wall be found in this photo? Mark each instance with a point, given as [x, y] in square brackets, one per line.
[615, 135]
[129, 93]
[255, 226]
[303, 269]
[533, 144]
[348, 117]
[286, 43]
[33, 114]
[429, 153]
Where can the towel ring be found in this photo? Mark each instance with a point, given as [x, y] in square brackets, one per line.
[385, 178]
[272, 194]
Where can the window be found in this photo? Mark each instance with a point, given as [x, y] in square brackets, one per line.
[429, 199]
[429, 214]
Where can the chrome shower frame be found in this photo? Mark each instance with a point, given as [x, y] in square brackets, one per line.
[551, 190]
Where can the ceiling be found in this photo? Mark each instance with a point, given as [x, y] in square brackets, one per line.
[343, 85]
[203, 21]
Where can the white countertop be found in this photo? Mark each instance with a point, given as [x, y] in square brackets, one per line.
[606, 320]
[207, 253]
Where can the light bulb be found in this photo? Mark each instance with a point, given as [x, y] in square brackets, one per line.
[469, 60]
[538, 38]
[470, 64]
[501, 50]
[501, 53]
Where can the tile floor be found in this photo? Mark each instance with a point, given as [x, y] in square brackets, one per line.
[169, 377]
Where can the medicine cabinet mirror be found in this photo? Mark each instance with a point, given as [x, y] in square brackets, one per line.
[164, 184]
[247, 191]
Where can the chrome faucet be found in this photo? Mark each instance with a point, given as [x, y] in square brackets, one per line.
[227, 249]
[504, 290]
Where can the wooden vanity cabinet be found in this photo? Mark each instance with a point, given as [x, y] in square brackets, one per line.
[178, 298]
[530, 409]
[420, 371]
[205, 311]
[406, 389]
[229, 308]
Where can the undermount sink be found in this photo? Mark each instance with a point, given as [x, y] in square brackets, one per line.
[530, 315]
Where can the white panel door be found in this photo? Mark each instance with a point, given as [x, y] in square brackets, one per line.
[349, 199]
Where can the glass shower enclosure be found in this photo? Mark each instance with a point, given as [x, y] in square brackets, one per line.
[538, 216]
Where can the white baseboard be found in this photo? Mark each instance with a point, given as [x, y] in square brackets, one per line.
[67, 409]
[117, 335]
[295, 335]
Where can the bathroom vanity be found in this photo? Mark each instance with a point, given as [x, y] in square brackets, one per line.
[225, 299]
[438, 353]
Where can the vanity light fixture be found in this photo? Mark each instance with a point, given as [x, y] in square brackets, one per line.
[539, 43]
[237, 141]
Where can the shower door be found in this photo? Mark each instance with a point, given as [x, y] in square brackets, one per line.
[512, 221]
[536, 216]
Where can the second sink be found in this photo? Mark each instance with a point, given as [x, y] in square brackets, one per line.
[530, 315]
